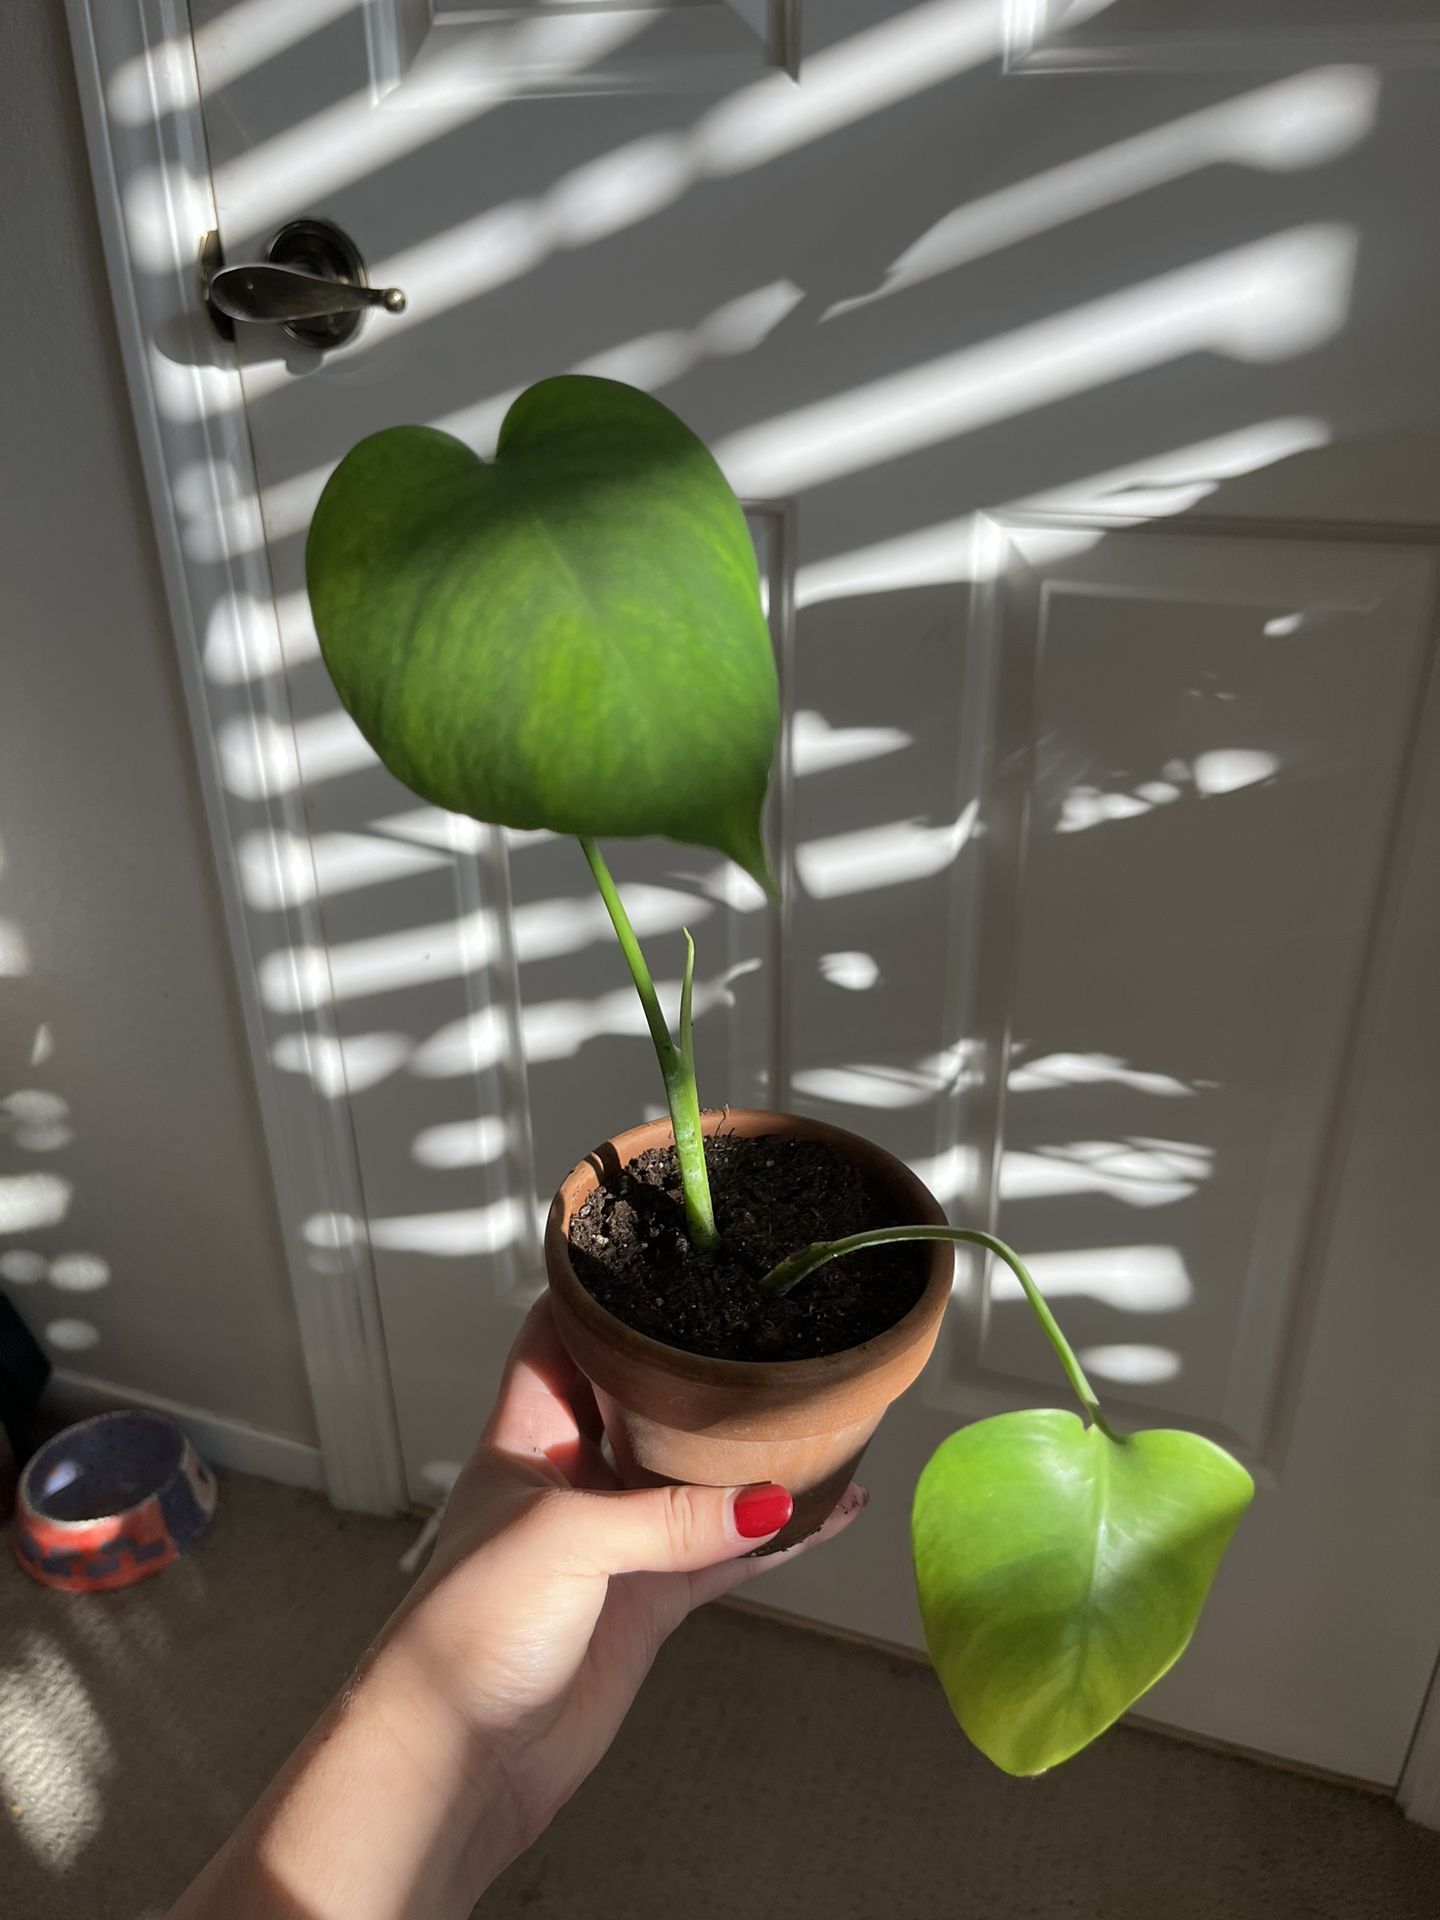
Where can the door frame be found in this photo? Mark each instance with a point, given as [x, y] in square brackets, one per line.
[191, 426]
[197, 430]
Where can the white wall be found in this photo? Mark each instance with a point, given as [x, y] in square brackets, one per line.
[119, 1001]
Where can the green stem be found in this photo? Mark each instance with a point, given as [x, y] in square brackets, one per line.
[677, 1065]
[799, 1266]
[687, 1023]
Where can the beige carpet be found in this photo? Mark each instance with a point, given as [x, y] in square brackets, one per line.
[767, 1773]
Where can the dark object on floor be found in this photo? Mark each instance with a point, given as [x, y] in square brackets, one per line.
[111, 1501]
[24, 1370]
[772, 1195]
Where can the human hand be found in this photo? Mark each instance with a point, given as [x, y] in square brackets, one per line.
[503, 1676]
[551, 1590]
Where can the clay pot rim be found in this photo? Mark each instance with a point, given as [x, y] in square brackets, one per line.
[710, 1369]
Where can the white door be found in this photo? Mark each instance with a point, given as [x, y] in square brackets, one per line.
[1082, 375]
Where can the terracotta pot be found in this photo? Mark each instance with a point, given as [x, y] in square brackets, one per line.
[676, 1416]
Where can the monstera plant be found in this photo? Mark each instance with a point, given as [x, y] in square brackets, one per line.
[570, 636]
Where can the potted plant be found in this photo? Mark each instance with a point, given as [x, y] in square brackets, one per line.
[570, 636]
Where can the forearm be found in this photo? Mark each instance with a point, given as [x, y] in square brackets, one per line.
[386, 1812]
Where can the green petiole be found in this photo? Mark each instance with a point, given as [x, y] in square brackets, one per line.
[799, 1266]
[677, 1063]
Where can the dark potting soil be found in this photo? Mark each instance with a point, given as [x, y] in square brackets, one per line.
[772, 1196]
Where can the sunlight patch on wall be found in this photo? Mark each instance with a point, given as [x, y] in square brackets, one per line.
[651, 361]
[877, 1086]
[1053, 1070]
[874, 857]
[1298, 122]
[605, 195]
[951, 1174]
[1227, 769]
[242, 38]
[339, 1067]
[354, 139]
[771, 117]
[462, 1143]
[33, 1200]
[227, 520]
[499, 245]
[1219, 770]
[1084, 807]
[1148, 1279]
[259, 758]
[1131, 1364]
[874, 69]
[71, 1336]
[467, 1230]
[432, 827]
[23, 1267]
[555, 1029]
[79, 1272]
[472, 1045]
[817, 747]
[1265, 300]
[558, 1029]
[246, 639]
[951, 553]
[739, 326]
[14, 952]
[973, 548]
[71, 1272]
[930, 556]
[298, 979]
[1141, 1173]
[285, 869]
[728, 886]
[37, 1121]
[1261, 302]
[855, 972]
[1169, 483]
[332, 1232]
[158, 203]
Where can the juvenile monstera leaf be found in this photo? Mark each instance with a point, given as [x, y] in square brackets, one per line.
[566, 636]
[1062, 1572]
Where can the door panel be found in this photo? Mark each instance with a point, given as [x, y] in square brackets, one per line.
[1088, 427]
[1162, 35]
[1212, 728]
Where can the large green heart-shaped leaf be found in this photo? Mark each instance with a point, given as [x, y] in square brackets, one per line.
[1062, 1572]
[568, 636]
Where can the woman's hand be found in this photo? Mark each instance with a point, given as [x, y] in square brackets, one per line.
[550, 1591]
[503, 1676]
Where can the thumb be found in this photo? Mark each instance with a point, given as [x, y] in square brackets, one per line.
[668, 1529]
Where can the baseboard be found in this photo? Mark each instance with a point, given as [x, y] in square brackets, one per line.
[217, 1439]
[848, 1636]
[1419, 1789]
[1182, 1735]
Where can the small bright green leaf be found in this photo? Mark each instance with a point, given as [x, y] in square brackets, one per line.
[1062, 1572]
[568, 636]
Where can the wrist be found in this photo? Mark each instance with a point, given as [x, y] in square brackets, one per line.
[385, 1813]
[411, 1723]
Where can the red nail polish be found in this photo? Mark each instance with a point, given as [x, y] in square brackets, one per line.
[761, 1510]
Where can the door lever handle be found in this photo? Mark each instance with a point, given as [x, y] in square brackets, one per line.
[275, 296]
[311, 283]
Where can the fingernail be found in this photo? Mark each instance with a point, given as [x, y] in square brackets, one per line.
[761, 1510]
